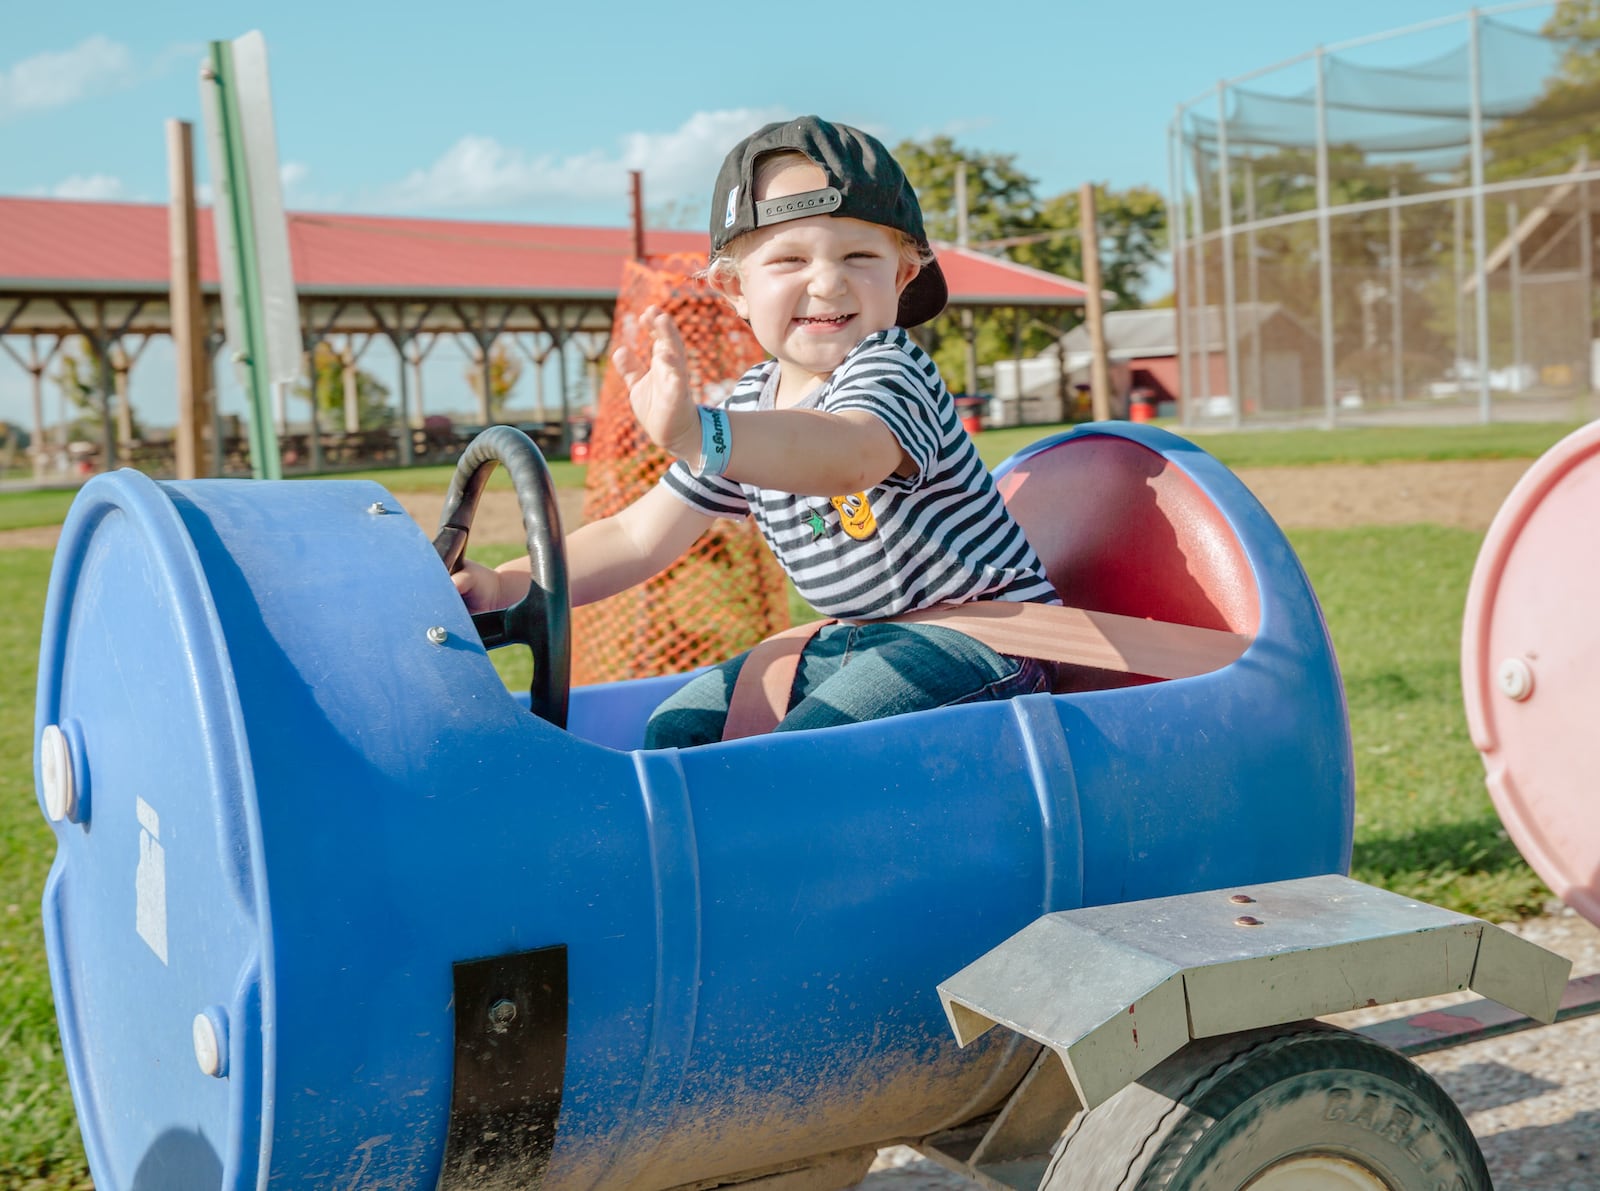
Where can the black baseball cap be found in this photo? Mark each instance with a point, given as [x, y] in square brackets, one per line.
[865, 182]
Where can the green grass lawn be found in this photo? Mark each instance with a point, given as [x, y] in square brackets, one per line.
[1249, 448]
[1424, 823]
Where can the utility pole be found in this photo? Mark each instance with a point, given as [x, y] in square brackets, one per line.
[1100, 365]
[636, 196]
[968, 334]
[188, 322]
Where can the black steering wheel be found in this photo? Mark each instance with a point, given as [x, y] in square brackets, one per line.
[542, 619]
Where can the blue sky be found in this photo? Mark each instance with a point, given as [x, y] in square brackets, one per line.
[537, 111]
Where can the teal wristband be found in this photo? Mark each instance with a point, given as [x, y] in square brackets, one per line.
[715, 441]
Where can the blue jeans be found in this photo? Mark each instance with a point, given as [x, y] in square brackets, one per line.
[855, 672]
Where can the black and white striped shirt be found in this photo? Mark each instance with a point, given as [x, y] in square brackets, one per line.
[940, 535]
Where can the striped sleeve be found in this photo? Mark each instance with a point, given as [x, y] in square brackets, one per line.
[888, 382]
[715, 496]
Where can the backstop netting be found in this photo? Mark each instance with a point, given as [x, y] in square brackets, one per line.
[1400, 228]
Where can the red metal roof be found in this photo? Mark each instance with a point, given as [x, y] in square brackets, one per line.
[62, 246]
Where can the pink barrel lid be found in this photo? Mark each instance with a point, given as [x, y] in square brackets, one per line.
[1530, 666]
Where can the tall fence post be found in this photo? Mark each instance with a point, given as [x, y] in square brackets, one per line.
[1480, 234]
[1325, 244]
[1180, 266]
[1230, 316]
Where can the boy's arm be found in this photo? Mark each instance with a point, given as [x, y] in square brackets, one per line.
[811, 452]
[603, 557]
[805, 451]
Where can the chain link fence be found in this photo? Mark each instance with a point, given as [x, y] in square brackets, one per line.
[1399, 228]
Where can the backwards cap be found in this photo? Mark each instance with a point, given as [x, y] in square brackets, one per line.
[864, 182]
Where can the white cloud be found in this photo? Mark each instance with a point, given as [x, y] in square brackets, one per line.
[59, 77]
[292, 173]
[101, 187]
[479, 172]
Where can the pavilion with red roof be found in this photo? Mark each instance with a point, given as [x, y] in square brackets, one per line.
[102, 270]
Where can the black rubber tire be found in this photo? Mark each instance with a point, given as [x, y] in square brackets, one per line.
[1222, 1111]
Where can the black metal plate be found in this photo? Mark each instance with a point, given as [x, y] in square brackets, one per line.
[510, 1059]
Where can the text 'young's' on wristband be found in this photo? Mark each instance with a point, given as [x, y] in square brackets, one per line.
[716, 441]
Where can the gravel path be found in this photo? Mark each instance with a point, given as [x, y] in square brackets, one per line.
[1532, 1099]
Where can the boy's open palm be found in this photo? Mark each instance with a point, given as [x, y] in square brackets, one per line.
[659, 389]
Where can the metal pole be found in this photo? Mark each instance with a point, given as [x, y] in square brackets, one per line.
[265, 461]
[1253, 279]
[1202, 320]
[1396, 294]
[1230, 318]
[1460, 258]
[1480, 234]
[1586, 264]
[1180, 270]
[1325, 243]
[1512, 219]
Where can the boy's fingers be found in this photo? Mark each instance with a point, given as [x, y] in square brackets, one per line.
[628, 364]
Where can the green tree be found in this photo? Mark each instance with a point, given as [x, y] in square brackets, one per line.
[505, 370]
[1006, 217]
[372, 395]
[1563, 125]
[1000, 197]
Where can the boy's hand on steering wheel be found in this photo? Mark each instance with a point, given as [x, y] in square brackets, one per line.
[480, 587]
[659, 390]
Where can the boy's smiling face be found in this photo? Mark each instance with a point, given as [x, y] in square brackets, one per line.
[813, 288]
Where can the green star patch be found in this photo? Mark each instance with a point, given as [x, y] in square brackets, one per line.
[817, 524]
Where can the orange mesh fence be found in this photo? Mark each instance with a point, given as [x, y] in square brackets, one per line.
[728, 591]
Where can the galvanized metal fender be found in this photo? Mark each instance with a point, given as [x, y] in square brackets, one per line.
[1114, 990]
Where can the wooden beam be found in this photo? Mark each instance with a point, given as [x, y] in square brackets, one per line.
[1100, 364]
[187, 305]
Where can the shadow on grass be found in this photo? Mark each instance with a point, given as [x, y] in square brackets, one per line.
[1470, 866]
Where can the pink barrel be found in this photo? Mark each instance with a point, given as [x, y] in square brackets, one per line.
[1530, 666]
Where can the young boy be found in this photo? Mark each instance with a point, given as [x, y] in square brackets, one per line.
[845, 447]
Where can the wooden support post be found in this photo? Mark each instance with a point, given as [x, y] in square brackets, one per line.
[969, 335]
[188, 311]
[121, 365]
[1100, 365]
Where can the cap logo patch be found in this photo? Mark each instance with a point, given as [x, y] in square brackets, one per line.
[728, 215]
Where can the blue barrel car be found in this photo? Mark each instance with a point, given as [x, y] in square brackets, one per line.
[330, 908]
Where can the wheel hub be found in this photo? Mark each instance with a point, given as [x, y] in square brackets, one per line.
[1316, 1172]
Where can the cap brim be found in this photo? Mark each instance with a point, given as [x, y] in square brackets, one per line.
[925, 297]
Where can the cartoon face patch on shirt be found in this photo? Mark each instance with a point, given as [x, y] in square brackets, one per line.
[855, 515]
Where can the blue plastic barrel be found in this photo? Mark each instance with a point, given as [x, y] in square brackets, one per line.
[287, 805]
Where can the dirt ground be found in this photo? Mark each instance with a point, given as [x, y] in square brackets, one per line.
[1464, 494]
